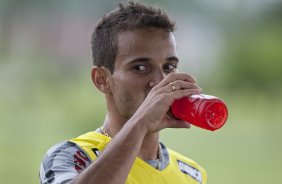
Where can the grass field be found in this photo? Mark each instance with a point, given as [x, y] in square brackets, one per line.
[35, 116]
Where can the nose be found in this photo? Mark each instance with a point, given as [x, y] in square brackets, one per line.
[157, 77]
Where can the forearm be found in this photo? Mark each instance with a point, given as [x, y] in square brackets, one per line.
[115, 162]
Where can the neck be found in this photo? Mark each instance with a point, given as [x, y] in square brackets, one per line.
[150, 145]
[112, 127]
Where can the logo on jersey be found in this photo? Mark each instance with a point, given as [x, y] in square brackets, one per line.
[80, 160]
[191, 171]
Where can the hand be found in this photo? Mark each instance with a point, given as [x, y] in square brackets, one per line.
[154, 109]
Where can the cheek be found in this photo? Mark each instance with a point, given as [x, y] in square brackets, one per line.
[132, 86]
[128, 95]
[133, 93]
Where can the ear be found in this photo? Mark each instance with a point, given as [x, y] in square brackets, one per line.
[100, 79]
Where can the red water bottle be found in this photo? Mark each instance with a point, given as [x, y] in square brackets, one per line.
[204, 111]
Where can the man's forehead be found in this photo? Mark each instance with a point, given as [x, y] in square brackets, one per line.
[140, 33]
[146, 45]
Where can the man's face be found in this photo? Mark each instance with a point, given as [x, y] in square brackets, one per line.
[144, 58]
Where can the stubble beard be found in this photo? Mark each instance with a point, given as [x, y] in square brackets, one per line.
[126, 104]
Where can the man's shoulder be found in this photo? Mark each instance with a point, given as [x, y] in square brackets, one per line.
[91, 139]
[86, 143]
[92, 143]
[62, 162]
[62, 147]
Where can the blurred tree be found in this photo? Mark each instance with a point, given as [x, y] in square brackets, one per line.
[10, 10]
[253, 59]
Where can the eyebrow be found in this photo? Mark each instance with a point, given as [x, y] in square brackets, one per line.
[140, 59]
[173, 58]
[146, 60]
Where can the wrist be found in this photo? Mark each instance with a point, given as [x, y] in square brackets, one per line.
[137, 125]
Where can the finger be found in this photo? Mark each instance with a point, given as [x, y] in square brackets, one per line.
[181, 85]
[174, 123]
[169, 98]
[186, 92]
[176, 76]
[182, 76]
[177, 85]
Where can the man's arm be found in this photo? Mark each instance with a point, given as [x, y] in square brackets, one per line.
[114, 164]
[63, 162]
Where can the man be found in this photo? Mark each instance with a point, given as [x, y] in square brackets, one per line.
[135, 63]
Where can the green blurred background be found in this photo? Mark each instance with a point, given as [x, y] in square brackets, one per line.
[233, 48]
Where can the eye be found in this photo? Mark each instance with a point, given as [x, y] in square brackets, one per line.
[170, 68]
[140, 68]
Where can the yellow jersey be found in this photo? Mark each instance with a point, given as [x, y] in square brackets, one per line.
[180, 169]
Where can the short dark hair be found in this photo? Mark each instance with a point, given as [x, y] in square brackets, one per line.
[126, 17]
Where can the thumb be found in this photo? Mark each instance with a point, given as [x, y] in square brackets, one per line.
[174, 123]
